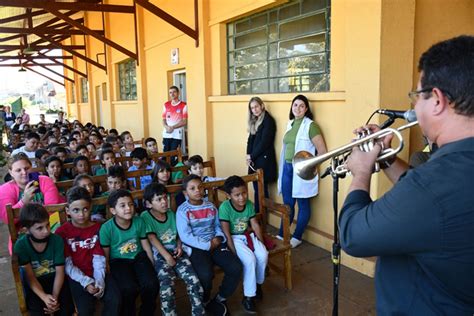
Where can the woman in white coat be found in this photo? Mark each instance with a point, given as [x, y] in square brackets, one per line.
[302, 133]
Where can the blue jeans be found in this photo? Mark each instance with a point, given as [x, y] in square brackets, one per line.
[304, 209]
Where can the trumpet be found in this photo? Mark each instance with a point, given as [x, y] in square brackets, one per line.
[305, 164]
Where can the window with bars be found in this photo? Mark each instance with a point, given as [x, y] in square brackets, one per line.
[127, 73]
[84, 90]
[284, 49]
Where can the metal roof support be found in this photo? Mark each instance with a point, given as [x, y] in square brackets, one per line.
[45, 30]
[21, 16]
[57, 63]
[194, 34]
[93, 33]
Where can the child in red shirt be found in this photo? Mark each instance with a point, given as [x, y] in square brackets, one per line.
[85, 259]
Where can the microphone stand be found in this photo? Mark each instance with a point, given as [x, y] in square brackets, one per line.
[336, 246]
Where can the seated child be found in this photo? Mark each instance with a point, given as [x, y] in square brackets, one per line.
[92, 150]
[98, 213]
[62, 154]
[115, 179]
[82, 150]
[85, 259]
[54, 169]
[151, 145]
[140, 162]
[81, 165]
[113, 140]
[128, 144]
[72, 144]
[167, 252]
[129, 255]
[196, 166]
[41, 155]
[95, 139]
[204, 241]
[237, 214]
[162, 174]
[41, 254]
[107, 159]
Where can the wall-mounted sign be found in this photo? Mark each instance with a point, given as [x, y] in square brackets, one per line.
[174, 56]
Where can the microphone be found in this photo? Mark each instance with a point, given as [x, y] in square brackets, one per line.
[409, 116]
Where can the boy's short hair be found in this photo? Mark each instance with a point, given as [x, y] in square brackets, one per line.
[80, 177]
[89, 143]
[81, 147]
[153, 189]
[58, 149]
[139, 153]
[113, 131]
[150, 139]
[33, 213]
[80, 158]
[233, 182]
[50, 159]
[70, 140]
[106, 146]
[116, 172]
[123, 134]
[42, 130]
[40, 153]
[77, 193]
[31, 135]
[116, 195]
[105, 151]
[190, 178]
[76, 133]
[110, 138]
[174, 88]
[194, 160]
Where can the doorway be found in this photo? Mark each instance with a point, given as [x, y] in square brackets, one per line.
[179, 80]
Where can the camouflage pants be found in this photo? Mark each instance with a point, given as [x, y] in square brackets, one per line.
[167, 276]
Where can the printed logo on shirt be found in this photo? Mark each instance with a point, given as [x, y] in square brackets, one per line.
[88, 243]
[128, 247]
[167, 236]
[202, 214]
[42, 268]
[241, 224]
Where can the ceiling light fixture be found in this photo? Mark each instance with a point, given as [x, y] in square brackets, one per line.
[22, 69]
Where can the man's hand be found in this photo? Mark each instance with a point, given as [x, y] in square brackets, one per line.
[169, 129]
[373, 128]
[360, 163]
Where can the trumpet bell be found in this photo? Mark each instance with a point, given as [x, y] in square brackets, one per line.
[301, 165]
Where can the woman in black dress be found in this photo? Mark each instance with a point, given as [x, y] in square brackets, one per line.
[260, 145]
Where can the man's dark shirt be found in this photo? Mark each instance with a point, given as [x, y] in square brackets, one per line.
[423, 232]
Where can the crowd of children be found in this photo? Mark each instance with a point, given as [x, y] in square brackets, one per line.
[139, 251]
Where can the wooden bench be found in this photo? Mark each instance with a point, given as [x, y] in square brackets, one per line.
[267, 206]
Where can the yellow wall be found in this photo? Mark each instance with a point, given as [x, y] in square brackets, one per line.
[374, 48]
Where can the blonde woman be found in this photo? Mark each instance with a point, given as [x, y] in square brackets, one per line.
[260, 145]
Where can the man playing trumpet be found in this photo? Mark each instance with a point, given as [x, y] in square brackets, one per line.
[422, 229]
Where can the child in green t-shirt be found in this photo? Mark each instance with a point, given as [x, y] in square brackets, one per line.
[237, 215]
[129, 254]
[169, 257]
[41, 255]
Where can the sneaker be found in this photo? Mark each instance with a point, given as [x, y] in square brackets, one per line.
[259, 294]
[249, 305]
[295, 242]
[216, 308]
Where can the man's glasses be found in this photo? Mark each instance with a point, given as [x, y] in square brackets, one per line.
[413, 95]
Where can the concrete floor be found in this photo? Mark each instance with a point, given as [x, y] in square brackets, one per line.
[311, 294]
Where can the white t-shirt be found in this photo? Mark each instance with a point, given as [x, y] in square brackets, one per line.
[30, 154]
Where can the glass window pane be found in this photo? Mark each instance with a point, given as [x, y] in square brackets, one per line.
[303, 46]
[243, 87]
[319, 83]
[274, 68]
[273, 16]
[260, 86]
[310, 24]
[298, 65]
[251, 39]
[242, 26]
[313, 5]
[251, 71]
[273, 54]
[283, 85]
[290, 11]
[272, 32]
[274, 86]
[250, 55]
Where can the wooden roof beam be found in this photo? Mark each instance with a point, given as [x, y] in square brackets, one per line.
[57, 63]
[22, 16]
[46, 30]
[38, 47]
[78, 6]
[34, 57]
[39, 73]
[50, 70]
[194, 34]
[94, 34]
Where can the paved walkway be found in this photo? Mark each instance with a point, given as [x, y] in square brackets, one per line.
[311, 294]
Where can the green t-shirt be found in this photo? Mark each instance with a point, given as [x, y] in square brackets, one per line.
[290, 137]
[165, 230]
[123, 243]
[238, 220]
[43, 263]
[100, 171]
[176, 176]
